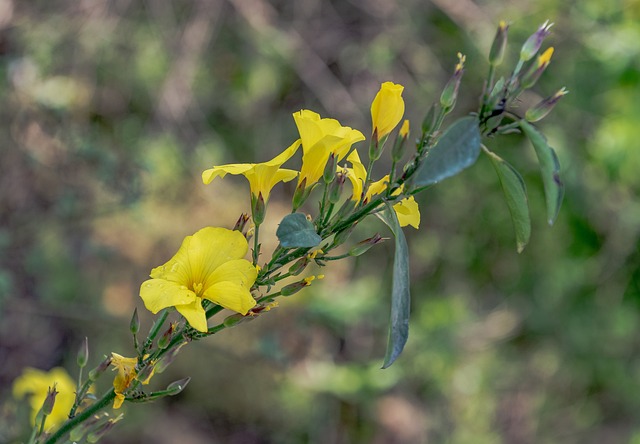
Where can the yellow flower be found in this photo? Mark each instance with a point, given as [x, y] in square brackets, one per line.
[126, 368]
[321, 138]
[262, 177]
[36, 383]
[387, 109]
[208, 265]
[407, 209]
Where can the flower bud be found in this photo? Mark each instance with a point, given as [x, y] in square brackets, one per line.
[134, 325]
[300, 194]
[83, 353]
[164, 340]
[233, 319]
[398, 147]
[241, 222]
[336, 187]
[499, 44]
[299, 266]
[177, 386]
[429, 119]
[330, 169]
[539, 111]
[95, 373]
[364, 246]
[258, 208]
[387, 110]
[531, 76]
[450, 91]
[533, 43]
[49, 400]
[291, 289]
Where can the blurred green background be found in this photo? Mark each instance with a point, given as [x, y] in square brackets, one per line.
[111, 110]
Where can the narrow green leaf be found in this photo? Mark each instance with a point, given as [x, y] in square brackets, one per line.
[515, 193]
[550, 169]
[457, 149]
[400, 292]
[295, 231]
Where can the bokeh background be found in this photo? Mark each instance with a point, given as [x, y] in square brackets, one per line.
[111, 110]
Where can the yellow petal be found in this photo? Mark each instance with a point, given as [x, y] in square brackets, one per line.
[408, 212]
[194, 314]
[387, 108]
[231, 295]
[239, 271]
[211, 247]
[159, 293]
[117, 401]
[223, 170]
[378, 187]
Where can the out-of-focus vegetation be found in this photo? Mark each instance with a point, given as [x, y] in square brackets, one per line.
[111, 110]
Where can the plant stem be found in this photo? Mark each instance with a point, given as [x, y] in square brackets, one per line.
[83, 416]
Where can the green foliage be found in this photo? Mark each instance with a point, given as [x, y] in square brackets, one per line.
[296, 231]
[400, 290]
[550, 169]
[457, 149]
[515, 193]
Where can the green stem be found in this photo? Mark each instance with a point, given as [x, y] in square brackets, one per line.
[256, 245]
[155, 329]
[83, 416]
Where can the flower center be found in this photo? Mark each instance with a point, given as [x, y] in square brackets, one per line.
[197, 288]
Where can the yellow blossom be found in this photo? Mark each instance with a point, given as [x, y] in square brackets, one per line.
[321, 138]
[126, 368]
[36, 383]
[208, 265]
[262, 177]
[387, 109]
[407, 209]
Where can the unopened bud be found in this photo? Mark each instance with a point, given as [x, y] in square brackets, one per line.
[95, 373]
[539, 111]
[134, 325]
[398, 147]
[241, 222]
[233, 320]
[49, 400]
[429, 119]
[450, 91]
[330, 169]
[300, 194]
[292, 289]
[336, 187]
[536, 69]
[376, 146]
[299, 266]
[533, 43]
[258, 208]
[177, 386]
[83, 353]
[499, 44]
[364, 246]
[164, 340]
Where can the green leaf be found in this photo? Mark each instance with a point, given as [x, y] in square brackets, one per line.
[400, 293]
[550, 169]
[457, 149]
[515, 193]
[295, 231]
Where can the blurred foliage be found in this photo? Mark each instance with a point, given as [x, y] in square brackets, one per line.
[111, 110]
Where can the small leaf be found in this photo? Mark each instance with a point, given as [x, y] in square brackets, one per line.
[295, 231]
[550, 169]
[457, 149]
[515, 194]
[400, 293]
